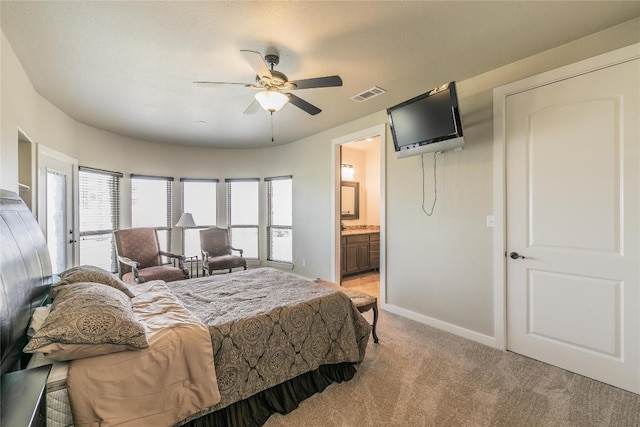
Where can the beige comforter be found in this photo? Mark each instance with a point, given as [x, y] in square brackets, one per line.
[158, 386]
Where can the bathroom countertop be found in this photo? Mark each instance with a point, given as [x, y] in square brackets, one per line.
[360, 229]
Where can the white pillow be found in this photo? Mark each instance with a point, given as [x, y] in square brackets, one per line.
[38, 318]
[39, 359]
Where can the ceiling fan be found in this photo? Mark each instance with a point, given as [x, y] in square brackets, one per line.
[272, 85]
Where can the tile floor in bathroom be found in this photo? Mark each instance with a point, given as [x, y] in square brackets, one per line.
[369, 283]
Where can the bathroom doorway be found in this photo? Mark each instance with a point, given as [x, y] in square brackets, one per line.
[360, 211]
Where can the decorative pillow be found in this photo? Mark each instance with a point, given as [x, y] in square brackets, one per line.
[90, 273]
[94, 318]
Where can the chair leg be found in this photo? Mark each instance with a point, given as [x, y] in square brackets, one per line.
[375, 322]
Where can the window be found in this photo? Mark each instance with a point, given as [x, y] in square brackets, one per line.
[199, 197]
[99, 216]
[242, 215]
[279, 219]
[151, 205]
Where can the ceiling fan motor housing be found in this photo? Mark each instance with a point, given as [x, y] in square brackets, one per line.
[277, 79]
[272, 60]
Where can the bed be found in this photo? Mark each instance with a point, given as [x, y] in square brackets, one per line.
[274, 339]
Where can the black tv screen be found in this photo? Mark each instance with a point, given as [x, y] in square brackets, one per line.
[429, 122]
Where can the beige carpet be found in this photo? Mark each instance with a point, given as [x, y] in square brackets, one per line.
[421, 376]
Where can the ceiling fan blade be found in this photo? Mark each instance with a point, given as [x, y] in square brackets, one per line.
[303, 105]
[256, 61]
[328, 81]
[253, 108]
[220, 83]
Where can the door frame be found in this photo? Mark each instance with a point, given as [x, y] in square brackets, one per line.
[336, 177]
[500, 95]
[44, 151]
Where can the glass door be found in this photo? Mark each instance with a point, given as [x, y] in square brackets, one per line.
[57, 234]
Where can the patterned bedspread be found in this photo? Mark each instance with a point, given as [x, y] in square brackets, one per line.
[268, 326]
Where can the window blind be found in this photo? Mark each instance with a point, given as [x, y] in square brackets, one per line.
[200, 198]
[279, 219]
[151, 198]
[243, 214]
[277, 178]
[199, 180]
[99, 216]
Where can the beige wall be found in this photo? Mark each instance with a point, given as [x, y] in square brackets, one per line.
[438, 269]
[372, 179]
[440, 266]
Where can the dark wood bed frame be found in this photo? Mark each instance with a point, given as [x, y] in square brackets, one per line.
[25, 277]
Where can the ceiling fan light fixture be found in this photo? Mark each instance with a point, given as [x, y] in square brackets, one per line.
[272, 100]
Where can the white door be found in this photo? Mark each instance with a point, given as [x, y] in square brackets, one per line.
[573, 194]
[55, 207]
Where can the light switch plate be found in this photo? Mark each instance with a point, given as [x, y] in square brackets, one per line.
[490, 221]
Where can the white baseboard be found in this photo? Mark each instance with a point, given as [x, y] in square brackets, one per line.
[439, 324]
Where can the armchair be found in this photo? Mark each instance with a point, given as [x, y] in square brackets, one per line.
[140, 257]
[216, 251]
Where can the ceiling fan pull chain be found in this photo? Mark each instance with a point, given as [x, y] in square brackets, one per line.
[272, 140]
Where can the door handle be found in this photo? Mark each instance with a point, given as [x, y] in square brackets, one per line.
[72, 241]
[515, 255]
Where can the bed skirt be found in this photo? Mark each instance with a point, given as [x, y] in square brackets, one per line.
[282, 398]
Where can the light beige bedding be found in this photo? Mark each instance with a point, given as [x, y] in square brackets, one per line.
[157, 386]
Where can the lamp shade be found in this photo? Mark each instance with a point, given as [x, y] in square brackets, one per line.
[271, 100]
[186, 220]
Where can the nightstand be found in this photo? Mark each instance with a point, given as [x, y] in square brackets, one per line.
[23, 397]
[193, 261]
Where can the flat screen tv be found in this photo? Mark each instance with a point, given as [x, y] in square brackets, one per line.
[427, 123]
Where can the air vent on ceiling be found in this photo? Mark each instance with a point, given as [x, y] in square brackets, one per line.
[368, 94]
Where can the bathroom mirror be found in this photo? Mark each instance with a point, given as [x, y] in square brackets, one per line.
[349, 200]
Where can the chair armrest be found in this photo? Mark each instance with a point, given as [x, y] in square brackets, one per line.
[172, 255]
[128, 261]
[134, 265]
[237, 250]
[180, 259]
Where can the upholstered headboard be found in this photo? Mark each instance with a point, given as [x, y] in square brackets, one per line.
[25, 276]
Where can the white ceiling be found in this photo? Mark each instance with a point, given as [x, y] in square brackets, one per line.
[128, 67]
